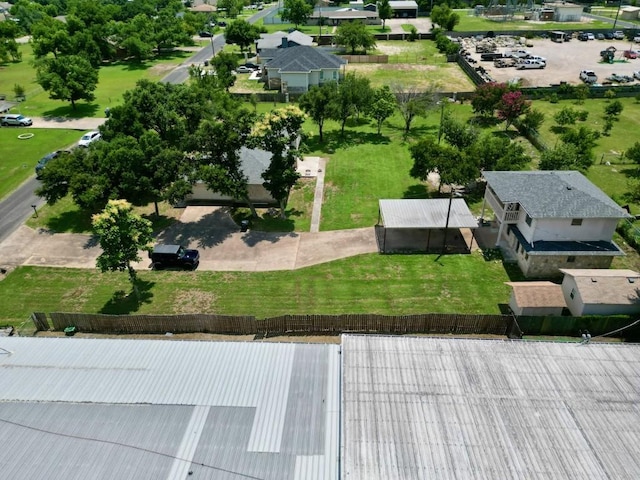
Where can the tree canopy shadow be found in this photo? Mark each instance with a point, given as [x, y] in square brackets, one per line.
[122, 303]
[484, 121]
[268, 222]
[72, 221]
[66, 111]
[631, 172]
[335, 140]
[416, 191]
[210, 230]
[558, 129]
[253, 237]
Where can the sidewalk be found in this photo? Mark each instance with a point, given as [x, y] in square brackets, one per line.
[68, 123]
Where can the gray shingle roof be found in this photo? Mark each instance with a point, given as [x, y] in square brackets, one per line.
[554, 194]
[254, 163]
[303, 59]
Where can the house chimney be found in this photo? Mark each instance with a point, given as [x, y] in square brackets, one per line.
[285, 42]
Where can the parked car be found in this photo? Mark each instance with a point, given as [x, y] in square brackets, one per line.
[163, 256]
[614, 77]
[42, 163]
[636, 75]
[591, 36]
[529, 64]
[15, 119]
[243, 69]
[252, 66]
[588, 76]
[88, 138]
[608, 36]
[222, 24]
[636, 39]
[600, 36]
[630, 54]
[618, 35]
[583, 37]
[205, 34]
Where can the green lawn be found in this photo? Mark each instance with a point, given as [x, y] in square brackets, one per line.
[471, 23]
[384, 284]
[285, 27]
[114, 80]
[610, 12]
[19, 157]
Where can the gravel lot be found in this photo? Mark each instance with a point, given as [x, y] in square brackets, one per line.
[564, 61]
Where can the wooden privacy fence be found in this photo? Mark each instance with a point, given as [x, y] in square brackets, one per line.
[436, 323]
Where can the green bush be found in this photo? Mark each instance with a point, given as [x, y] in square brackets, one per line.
[630, 231]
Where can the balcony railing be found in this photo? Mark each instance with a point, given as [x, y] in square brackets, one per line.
[510, 216]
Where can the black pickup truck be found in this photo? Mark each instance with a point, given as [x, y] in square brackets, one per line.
[163, 256]
[490, 57]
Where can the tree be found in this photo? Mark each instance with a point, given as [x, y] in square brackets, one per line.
[50, 36]
[581, 92]
[168, 31]
[136, 37]
[317, 104]
[385, 12]
[532, 120]
[224, 64]
[232, 7]
[492, 152]
[458, 134]
[354, 35]
[512, 105]
[352, 96]
[70, 78]
[296, 12]
[443, 16]
[8, 45]
[453, 167]
[276, 133]
[563, 157]
[413, 103]
[382, 105]
[486, 98]
[566, 116]
[584, 140]
[122, 234]
[242, 33]
[633, 153]
[613, 109]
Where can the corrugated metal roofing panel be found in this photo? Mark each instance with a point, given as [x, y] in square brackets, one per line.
[440, 408]
[428, 213]
[273, 398]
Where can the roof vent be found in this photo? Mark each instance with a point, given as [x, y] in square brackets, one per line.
[631, 279]
[594, 280]
[569, 187]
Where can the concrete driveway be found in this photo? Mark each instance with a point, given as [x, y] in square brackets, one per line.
[209, 229]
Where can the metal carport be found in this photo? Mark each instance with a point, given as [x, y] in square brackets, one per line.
[425, 225]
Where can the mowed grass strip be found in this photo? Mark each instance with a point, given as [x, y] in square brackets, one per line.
[382, 284]
[19, 157]
[471, 23]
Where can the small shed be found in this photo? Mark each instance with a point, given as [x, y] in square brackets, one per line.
[629, 13]
[404, 8]
[565, 11]
[426, 225]
[536, 298]
[601, 291]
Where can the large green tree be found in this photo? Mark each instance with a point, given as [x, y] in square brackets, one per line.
[382, 105]
[242, 33]
[278, 132]
[70, 78]
[486, 98]
[296, 12]
[452, 166]
[353, 95]
[443, 16]
[412, 103]
[385, 12]
[8, 45]
[122, 234]
[354, 35]
[317, 104]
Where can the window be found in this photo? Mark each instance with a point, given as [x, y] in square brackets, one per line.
[573, 293]
[571, 259]
[576, 221]
[335, 75]
[528, 219]
[526, 256]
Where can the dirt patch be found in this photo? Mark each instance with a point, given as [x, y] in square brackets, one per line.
[194, 301]
[162, 68]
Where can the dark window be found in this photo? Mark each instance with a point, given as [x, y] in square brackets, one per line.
[573, 293]
[528, 219]
[526, 256]
[571, 259]
[576, 221]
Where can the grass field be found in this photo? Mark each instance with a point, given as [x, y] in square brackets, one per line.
[114, 80]
[611, 12]
[384, 284]
[471, 23]
[19, 157]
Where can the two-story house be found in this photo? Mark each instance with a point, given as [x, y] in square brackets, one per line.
[548, 220]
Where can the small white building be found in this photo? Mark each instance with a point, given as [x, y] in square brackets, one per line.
[629, 13]
[565, 11]
[601, 292]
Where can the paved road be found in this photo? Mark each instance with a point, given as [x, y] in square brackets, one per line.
[17, 208]
[181, 73]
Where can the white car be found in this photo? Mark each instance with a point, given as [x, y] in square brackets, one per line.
[591, 36]
[88, 138]
[636, 75]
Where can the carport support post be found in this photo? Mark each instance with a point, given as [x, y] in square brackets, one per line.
[446, 225]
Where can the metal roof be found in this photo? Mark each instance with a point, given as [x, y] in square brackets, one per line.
[92, 408]
[396, 4]
[554, 194]
[429, 213]
[423, 408]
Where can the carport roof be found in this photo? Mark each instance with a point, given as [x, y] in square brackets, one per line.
[426, 213]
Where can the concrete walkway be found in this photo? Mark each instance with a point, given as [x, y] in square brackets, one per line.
[68, 123]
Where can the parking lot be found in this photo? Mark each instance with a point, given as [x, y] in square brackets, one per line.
[564, 60]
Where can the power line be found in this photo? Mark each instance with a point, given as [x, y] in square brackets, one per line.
[134, 447]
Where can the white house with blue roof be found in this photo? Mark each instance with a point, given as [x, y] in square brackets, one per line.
[547, 220]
